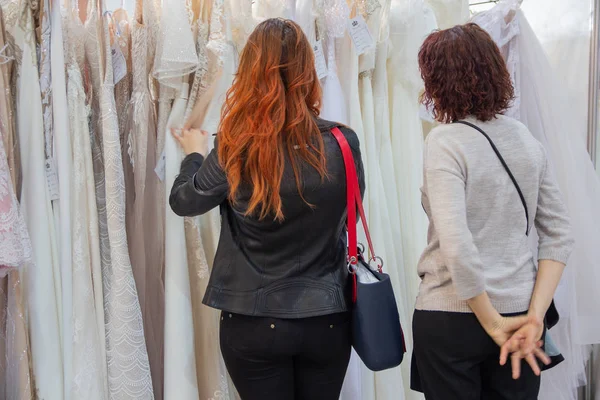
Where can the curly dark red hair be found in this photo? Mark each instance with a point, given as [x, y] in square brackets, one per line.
[464, 75]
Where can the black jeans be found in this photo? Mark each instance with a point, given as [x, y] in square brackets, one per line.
[455, 359]
[286, 359]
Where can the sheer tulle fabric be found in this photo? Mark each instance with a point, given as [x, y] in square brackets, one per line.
[541, 98]
[175, 55]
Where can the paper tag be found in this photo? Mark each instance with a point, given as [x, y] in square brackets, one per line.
[52, 178]
[161, 167]
[320, 64]
[359, 32]
[118, 62]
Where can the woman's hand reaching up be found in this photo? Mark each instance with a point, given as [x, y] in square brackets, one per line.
[191, 140]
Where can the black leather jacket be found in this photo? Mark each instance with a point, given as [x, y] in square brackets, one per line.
[290, 269]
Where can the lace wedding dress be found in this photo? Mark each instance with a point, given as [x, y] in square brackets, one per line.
[88, 362]
[15, 251]
[145, 230]
[39, 277]
[128, 365]
[539, 99]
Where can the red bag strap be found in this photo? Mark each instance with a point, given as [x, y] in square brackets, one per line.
[353, 201]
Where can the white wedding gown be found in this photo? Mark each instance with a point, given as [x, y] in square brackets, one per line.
[127, 357]
[337, 106]
[40, 287]
[538, 106]
[63, 154]
[175, 59]
[408, 29]
[223, 49]
[88, 363]
[449, 13]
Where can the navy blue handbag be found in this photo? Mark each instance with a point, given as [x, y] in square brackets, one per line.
[377, 335]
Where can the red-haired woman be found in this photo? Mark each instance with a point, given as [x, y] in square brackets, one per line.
[277, 174]
[486, 184]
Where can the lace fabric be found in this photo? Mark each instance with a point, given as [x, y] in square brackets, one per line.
[242, 22]
[335, 14]
[88, 335]
[15, 246]
[15, 374]
[218, 41]
[128, 366]
[42, 276]
[46, 78]
[175, 55]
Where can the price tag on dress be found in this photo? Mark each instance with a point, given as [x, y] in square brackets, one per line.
[52, 178]
[320, 63]
[161, 166]
[361, 37]
[119, 63]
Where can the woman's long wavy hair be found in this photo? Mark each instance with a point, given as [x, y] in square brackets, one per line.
[271, 109]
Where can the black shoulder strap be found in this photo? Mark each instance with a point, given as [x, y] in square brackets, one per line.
[512, 178]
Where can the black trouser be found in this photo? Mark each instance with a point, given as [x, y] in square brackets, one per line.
[286, 359]
[455, 359]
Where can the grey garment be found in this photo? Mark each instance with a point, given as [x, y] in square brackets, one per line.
[476, 238]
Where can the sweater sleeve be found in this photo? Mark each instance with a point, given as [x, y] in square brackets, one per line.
[552, 221]
[445, 184]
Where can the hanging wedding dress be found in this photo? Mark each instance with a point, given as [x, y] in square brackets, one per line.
[408, 29]
[449, 13]
[381, 212]
[145, 231]
[222, 60]
[335, 14]
[210, 370]
[175, 59]
[539, 98]
[128, 366]
[92, 55]
[180, 366]
[242, 22]
[88, 362]
[7, 106]
[341, 104]
[15, 247]
[63, 153]
[264, 9]
[15, 252]
[39, 277]
[124, 87]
